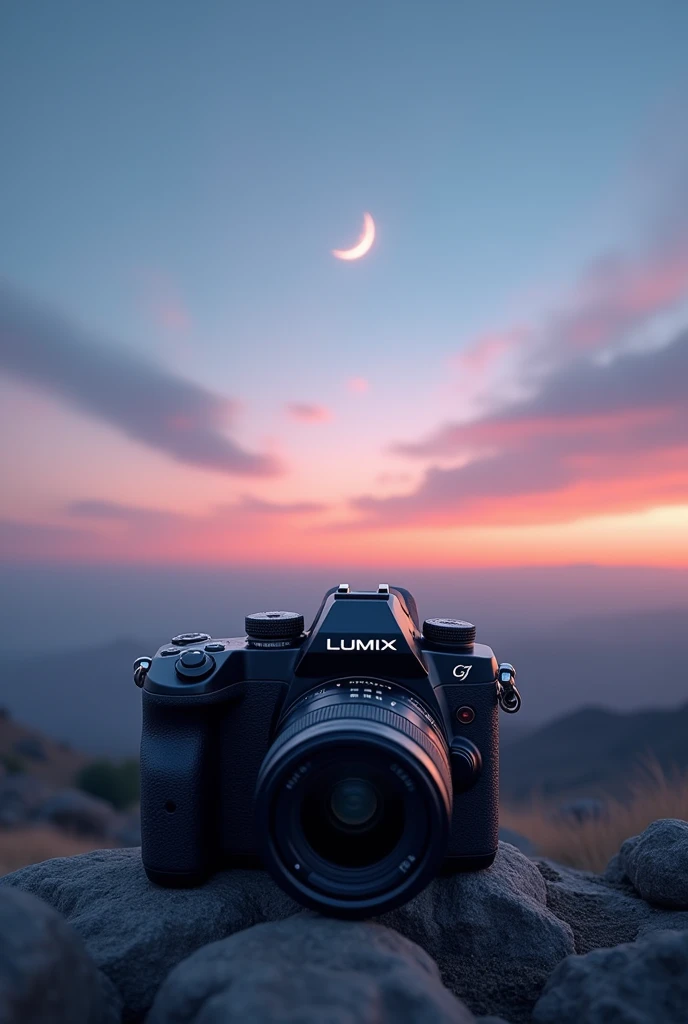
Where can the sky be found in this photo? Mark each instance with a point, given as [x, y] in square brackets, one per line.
[188, 374]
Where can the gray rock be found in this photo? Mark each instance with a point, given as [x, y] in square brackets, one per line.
[514, 838]
[599, 913]
[310, 970]
[656, 863]
[644, 982]
[137, 932]
[663, 920]
[46, 976]
[614, 872]
[491, 933]
[79, 813]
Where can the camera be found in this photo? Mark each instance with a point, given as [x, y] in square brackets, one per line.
[354, 760]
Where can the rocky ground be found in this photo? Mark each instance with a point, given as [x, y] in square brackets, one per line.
[27, 801]
[88, 939]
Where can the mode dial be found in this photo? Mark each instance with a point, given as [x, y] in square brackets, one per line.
[274, 626]
[453, 632]
[183, 639]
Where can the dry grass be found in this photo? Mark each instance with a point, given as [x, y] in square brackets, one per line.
[591, 844]
[22, 846]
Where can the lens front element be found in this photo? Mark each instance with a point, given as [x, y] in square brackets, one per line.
[353, 800]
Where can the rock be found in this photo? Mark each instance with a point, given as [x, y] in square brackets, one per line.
[663, 920]
[514, 838]
[46, 976]
[656, 863]
[491, 933]
[79, 813]
[31, 746]
[20, 796]
[644, 982]
[137, 932]
[599, 913]
[583, 809]
[309, 969]
[615, 874]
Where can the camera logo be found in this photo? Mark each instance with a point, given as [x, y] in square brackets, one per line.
[360, 645]
[461, 672]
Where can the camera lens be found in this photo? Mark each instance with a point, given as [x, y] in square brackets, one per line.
[353, 802]
[353, 799]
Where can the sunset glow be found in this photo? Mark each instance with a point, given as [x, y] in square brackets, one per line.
[189, 374]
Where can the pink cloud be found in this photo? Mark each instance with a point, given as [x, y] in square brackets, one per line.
[359, 385]
[171, 315]
[164, 303]
[596, 439]
[306, 412]
[618, 296]
[489, 348]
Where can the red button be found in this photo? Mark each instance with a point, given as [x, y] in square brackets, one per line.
[465, 715]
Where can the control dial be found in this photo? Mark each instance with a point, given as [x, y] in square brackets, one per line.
[194, 664]
[466, 764]
[453, 632]
[274, 626]
[183, 639]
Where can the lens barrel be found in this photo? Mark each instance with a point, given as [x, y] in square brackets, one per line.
[353, 800]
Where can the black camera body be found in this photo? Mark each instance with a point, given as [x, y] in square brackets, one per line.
[354, 760]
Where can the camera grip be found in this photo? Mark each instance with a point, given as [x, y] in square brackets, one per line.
[177, 753]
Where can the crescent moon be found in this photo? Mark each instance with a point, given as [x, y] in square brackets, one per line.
[364, 243]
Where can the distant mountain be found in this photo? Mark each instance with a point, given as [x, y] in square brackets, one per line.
[593, 752]
[27, 750]
[85, 697]
[622, 661]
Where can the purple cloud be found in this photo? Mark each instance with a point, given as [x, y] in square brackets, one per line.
[143, 401]
[596, 438]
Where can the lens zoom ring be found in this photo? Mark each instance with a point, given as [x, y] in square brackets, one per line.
[371, 713]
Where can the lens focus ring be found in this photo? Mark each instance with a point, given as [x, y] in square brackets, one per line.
[371, 713]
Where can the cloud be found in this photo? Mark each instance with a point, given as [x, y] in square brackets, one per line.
[141, 400]
[277, 508]
[487, 349]
[172, 315]
[617, 296]
[595, 439]
[580, 412]
[359, 385]
[307, 413]
[163, 303]
[618, 303]
[103, 530]
[30, 542]
[243, 509]
[97, 530]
